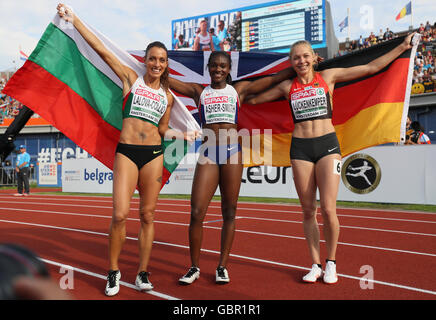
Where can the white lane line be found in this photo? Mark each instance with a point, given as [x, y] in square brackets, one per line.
[238, 217]
[185, 212]
[232, 255]
[237, 230]
[218, 206]
[100, 276]
[213, 221]
[343, 226]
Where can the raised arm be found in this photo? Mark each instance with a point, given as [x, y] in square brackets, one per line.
[188, 89]
[279, 91]
[247, 88]
[126, 75]
[335, 75]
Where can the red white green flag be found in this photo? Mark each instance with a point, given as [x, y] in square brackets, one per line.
[67, 83]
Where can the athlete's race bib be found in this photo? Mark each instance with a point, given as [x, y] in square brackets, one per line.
[148, 105]
[220, 109]
[309, 103]
[219, 105]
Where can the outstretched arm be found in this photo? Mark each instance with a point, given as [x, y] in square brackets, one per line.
[188, 89]
[247, 88]
[126, 75]
[279, 91]
[335, 75]
[166, 132]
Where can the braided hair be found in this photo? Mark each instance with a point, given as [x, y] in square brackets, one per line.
[224, 54]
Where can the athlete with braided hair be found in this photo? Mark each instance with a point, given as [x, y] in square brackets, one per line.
[220, 161]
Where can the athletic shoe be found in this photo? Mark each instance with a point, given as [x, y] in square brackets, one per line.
[313, 275]
[221, 275]
[142, 282]
[113, 283]
[192, 275]
[25, 194]
[330, 275]
[18, 194]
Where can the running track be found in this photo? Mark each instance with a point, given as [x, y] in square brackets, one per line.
[269, 254]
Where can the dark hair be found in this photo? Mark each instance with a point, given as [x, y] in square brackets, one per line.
[415, 125]
[164, 79]
[224, 54]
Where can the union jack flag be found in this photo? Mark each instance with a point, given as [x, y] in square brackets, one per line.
[357, 103]
[191, 66]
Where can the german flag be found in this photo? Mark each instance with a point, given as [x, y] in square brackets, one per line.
[366, 112]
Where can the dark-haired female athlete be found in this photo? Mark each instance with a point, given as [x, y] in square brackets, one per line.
[138, 157]
[220, 161]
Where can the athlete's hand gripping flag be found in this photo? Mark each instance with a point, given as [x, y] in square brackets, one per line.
[68, 84]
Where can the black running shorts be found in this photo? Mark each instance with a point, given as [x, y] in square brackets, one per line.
[139, 154]
[313, 149]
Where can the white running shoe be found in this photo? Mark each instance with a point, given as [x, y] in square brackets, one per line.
[113, 283]
[142, 283]
[192, 275]
[221, 275]
[330, 275]
[313, 275]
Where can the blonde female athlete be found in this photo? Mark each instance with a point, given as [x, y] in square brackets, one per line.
[138, 158]
[315, 152]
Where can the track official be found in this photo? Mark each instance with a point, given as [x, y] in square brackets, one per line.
[22, 169]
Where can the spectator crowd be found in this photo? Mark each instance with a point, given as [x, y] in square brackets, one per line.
[9, 107]
[424, 75]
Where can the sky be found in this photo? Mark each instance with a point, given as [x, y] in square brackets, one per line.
[132, 24]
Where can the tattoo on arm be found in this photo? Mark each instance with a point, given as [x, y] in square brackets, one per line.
[159, 179]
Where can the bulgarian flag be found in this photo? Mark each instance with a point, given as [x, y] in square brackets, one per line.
[67, 83]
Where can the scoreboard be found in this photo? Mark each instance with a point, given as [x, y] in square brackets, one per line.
[272, 26]
[275, 27]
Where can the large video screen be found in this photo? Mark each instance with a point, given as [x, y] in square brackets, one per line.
[277, 26]
[271, 26]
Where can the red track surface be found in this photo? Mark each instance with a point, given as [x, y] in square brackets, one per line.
[269, 255]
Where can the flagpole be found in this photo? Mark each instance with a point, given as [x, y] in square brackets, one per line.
[411, 14]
